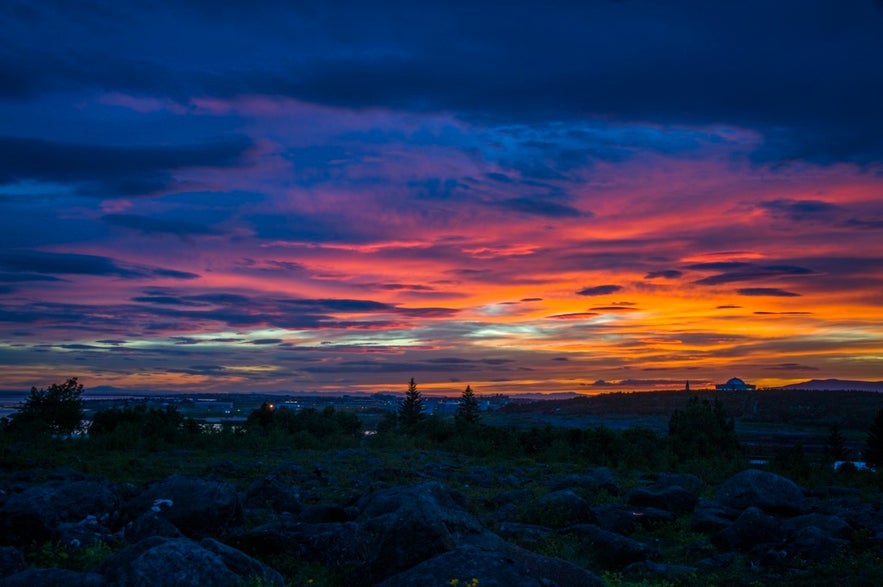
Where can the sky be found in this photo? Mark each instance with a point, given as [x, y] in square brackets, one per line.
[520, 196]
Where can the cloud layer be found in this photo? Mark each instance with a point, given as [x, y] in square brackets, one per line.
[524, 197]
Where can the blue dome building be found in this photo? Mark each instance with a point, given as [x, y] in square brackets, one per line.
[735, 384]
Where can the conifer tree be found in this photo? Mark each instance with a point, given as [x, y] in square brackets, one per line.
[467, 410]
[411, 409]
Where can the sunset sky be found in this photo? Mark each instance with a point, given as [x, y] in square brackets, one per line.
[520, 196]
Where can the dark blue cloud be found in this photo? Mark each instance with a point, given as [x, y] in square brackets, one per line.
[766, 291]
[599, 290]
[540, 207]
[803, 73]
[746, 272]
[665, 274]
[28, 262]
[802, 210]
[109, 171]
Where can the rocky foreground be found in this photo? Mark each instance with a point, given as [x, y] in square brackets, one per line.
[403, 528]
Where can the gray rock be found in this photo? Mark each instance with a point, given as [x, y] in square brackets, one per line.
[53, 578]
[625, 520]
[147, 525]
[432, 499]
[195, 506]
[86, 532]
[324, 513]
[690, 483]
[752, 528]
[412, 524]
[560, 508]
[34, 515]
[673, 498]
[710, 520]
[610, 550]
[272, 493]
[333, 545]
[831, 525]
[11, 561]
[597, 479]
[506, 566]
[526, 535]
[814, 544]
[513, 496]
[761, 489]
[181, 562]
[853, 511]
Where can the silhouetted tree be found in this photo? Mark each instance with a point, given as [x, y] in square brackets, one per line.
[411, 409]
[467, 409]
[836, 444]
[133, 425]
[702, 430]
[57, 410]
[262, 416]
[873, 453]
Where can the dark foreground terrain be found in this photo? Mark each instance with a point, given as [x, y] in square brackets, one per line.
[305, 496]
[387, 516]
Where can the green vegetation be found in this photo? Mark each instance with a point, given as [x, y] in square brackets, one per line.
[467, 409]
[835, 444]
[141, 445]
[54, 554]
[411, 412]
[141, 427]
[56, 411]
[702, 430]
[873, 452]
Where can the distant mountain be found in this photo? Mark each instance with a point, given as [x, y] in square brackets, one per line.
[837, 385]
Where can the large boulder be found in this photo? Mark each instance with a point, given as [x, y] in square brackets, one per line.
[686, 481]
[412, 524]
[832, 525]
[147, 525]
[11, 561]
[502, 566]
[334, 545]
[752, 528]
[559, 509]
[197, 507]
[622, 519]
[610, 550]
[181, 562]
[709, 517]
[814, 544]
[761, 489]
[35, 514]
[274, 494]
[673, 498]
[592, 480]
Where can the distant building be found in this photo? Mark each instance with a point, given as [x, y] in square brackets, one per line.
[735, 384]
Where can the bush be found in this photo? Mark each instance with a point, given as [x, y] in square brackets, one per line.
[309, 425]
[131, 427]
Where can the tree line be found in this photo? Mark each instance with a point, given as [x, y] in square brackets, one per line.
[699, 432]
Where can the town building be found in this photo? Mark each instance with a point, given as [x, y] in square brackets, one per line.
[735, 384]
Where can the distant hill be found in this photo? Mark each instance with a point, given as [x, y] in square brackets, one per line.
[836, 385]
